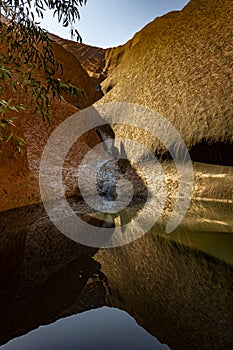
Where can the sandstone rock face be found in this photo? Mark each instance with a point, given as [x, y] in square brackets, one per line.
[180, 65]
[14, 173]
[91, 58]
[19, 175]
[77, 75]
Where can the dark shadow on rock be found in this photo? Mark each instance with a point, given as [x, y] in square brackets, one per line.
[218, 153]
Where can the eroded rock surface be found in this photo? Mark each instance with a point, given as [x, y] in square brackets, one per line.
[179, 65]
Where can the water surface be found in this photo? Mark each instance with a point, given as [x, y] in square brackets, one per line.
[175, 290]
[98, 329]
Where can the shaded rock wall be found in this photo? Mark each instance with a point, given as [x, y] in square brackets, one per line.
[19, 175]
[77, 75]
[216, 153]
[91, 58]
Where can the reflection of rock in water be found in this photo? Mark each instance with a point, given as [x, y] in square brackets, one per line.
[42, 273]
[178, 294]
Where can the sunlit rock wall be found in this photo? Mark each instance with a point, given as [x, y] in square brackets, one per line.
[180, 65]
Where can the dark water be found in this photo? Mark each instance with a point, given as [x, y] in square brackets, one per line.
[175, 290]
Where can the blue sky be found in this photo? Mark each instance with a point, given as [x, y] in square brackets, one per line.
[107, 23]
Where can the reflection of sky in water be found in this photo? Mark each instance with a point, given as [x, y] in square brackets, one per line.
[99, 329]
